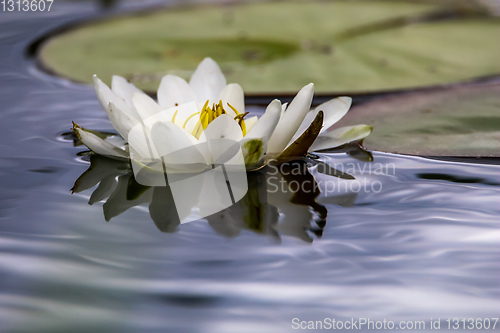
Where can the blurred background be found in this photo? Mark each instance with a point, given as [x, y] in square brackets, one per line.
[343, 46]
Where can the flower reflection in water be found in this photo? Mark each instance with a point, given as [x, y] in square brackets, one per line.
[281, 198]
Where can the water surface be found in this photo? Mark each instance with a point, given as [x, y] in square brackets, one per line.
[425, 246]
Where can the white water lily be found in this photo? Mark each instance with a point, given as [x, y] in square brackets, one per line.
[190, 114]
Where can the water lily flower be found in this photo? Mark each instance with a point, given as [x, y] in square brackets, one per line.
[187, 115]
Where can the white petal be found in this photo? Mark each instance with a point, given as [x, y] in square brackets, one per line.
[140, 142]
[233, 94]
[98, 145]
[224, 127]
[333, 111]
[308, 119]
[120, 120]
[124, 89]
[106, 96]
[283, 109]
[117, 140]
[208, 81]
[166, 117]
[266, 125]
[140, 135]
[184, 111]
[341, 136]
[223, 136]
[175, 146]
[249, 122]
[145, 105]
[122, 116]
[174, 91]
[291, 120]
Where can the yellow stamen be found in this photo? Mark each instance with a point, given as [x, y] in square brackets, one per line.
[210, 115]
[221, 108]
[173, 117]
[196, 130]
[205, 106]
[202, 123]
[243, 127]
[204, 120]
[240, 119]
[241, 122]
[188, 118]
[234, 109]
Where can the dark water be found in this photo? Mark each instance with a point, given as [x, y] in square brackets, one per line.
[422, 242]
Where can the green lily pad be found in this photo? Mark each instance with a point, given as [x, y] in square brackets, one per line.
[461, 121]
[281, 46]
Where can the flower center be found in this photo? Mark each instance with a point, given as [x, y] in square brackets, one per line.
[208, 114]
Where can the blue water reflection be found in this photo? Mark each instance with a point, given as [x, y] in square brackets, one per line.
[425, 246]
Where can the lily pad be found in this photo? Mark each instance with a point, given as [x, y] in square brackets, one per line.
[461, 121]
[276, 46]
